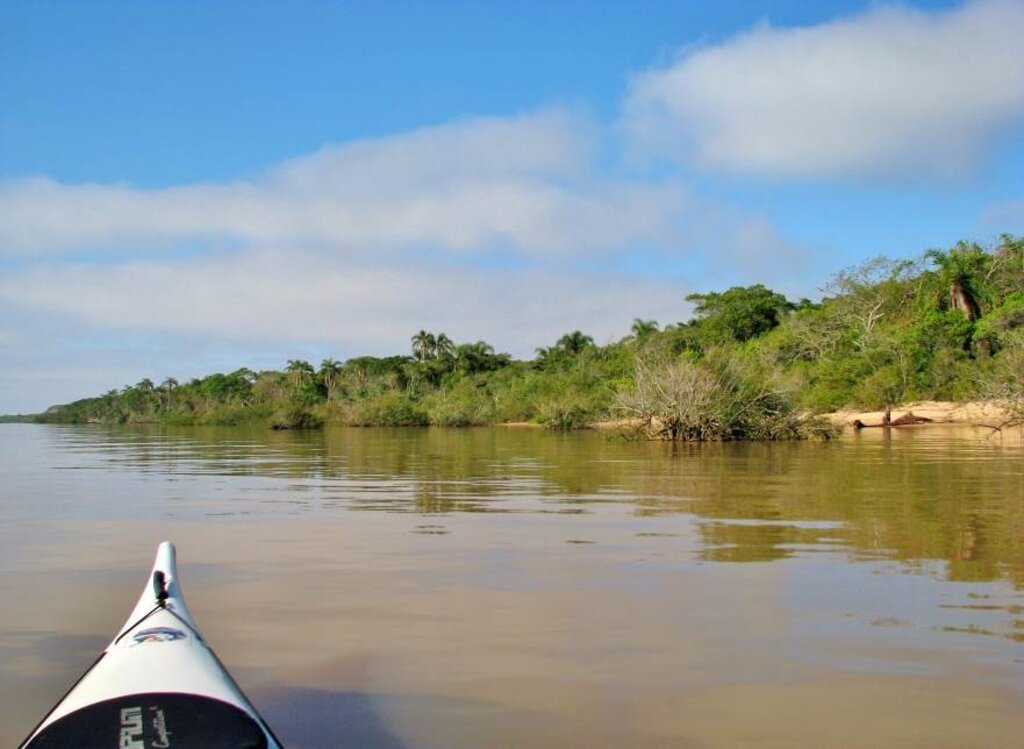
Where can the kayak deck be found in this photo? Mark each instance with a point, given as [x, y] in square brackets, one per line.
[157, 685]
[159, 720]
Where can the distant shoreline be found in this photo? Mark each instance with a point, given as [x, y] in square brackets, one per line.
[931, 413]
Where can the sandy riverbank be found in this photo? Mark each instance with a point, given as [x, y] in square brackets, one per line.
[972, 413]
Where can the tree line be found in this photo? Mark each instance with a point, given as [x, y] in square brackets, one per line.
[748, 364]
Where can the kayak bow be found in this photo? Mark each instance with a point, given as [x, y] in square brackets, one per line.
[158, 685]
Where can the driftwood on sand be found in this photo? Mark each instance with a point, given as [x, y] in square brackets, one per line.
[907, 419]
[990, 415]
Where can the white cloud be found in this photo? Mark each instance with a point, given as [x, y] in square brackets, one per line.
[81, 329]
[893, 93]
[294, 296]
[468, 187]
[485, 229]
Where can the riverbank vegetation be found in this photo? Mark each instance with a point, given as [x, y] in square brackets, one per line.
[748, 364]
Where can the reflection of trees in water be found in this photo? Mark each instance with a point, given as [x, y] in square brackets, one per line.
[955, 501]
[760, 542]
[906, 495]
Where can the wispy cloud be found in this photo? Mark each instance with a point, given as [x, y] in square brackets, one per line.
[893, 93]
[277, 296]
[485, 228]
[498, 229]
[159, 317]
[471, 187]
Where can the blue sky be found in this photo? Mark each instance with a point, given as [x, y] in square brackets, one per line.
[193, 187]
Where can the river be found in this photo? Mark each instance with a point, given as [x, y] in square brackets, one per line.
[513, 587]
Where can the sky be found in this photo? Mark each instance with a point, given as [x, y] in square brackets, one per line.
[195, 187]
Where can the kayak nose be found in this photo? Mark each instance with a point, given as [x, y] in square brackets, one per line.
[160, 587]
[159, 662]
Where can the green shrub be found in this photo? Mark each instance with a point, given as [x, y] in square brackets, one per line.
[394, 408]
[297, 417]
[722, 397]
[567, 414]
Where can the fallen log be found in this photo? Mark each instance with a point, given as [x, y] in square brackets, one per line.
[907, 419]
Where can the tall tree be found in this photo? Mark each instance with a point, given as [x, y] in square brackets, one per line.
[962, 271]
[330, 370]
[574, 342]
[424, 345]
[867, 295]
[299, 370]
[444, 346]
[546, 356]
[167, 387]
[740, 313]
[471, 358]
[643, 329]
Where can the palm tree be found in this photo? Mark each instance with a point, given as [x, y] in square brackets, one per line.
[545, 357]
[962, 271]
[167, 387]
[330, 369]
[473, 357]
[444, 346]
[643, 329]
[424, 345]
[574, 342]
[299, 370]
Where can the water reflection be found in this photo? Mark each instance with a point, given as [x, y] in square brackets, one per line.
[766, 541]
[448, 588]
[908, 496]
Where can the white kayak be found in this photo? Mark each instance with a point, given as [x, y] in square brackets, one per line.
[158, 685]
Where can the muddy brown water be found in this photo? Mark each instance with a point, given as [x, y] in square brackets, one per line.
[502, 588]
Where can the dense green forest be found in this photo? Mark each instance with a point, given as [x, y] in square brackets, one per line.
[750, 363]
